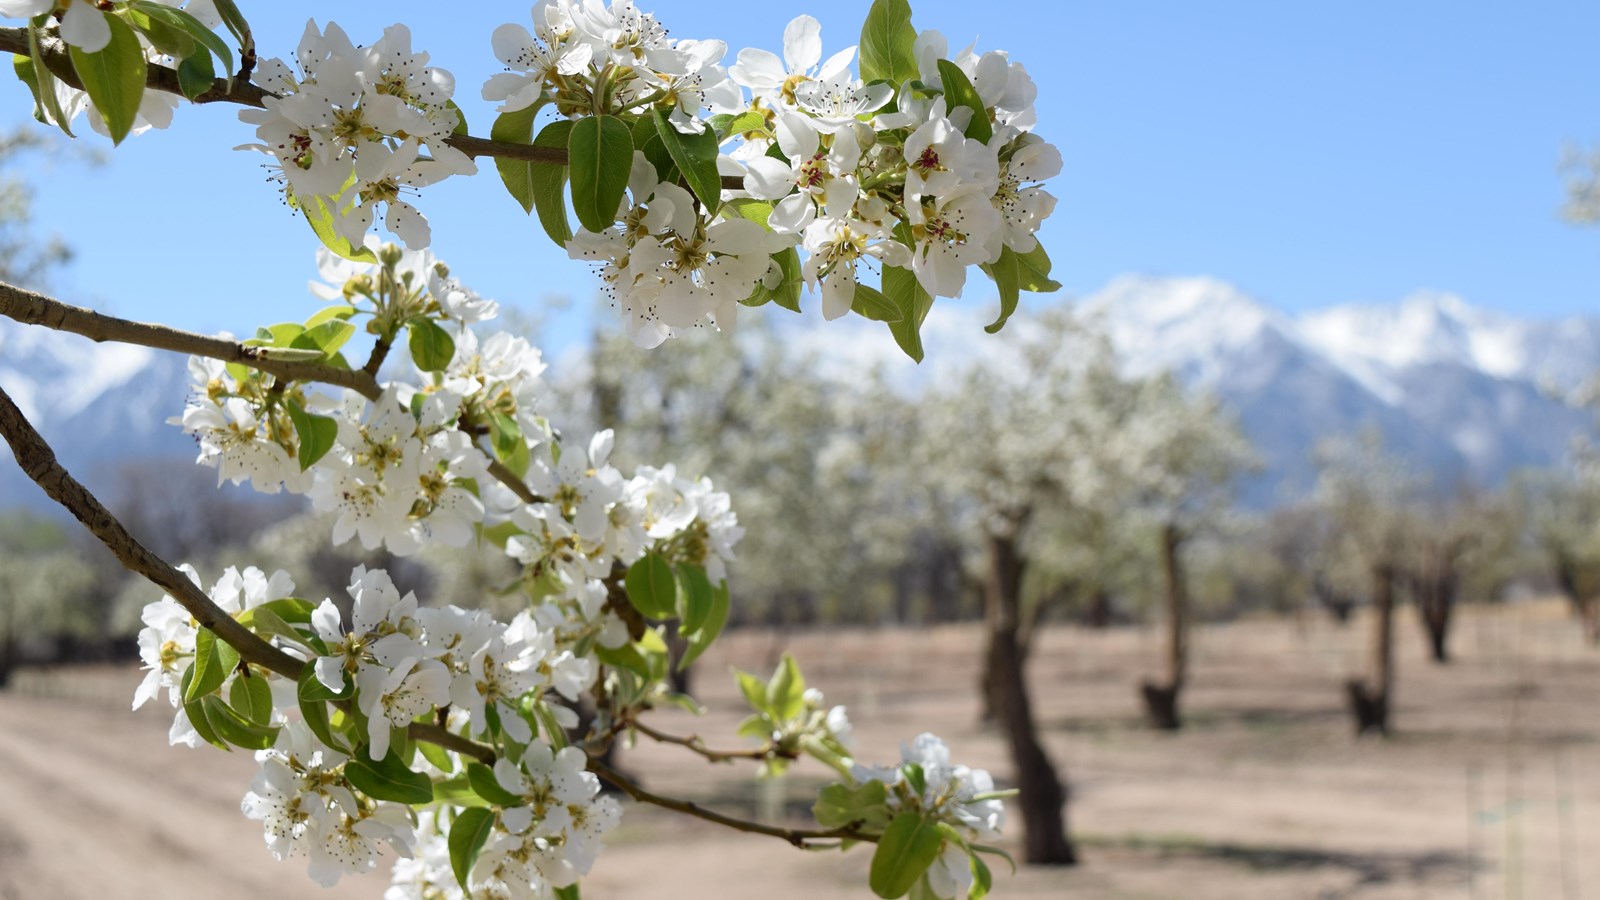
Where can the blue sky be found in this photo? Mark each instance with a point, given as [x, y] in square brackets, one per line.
[1311, 154]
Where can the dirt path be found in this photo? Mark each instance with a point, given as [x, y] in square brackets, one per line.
[1490, 789]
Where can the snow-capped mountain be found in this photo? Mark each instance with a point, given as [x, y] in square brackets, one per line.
[1465, 393]
[99, 405]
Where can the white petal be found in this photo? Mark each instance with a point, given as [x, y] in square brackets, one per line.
[802, 43]
[85, 27]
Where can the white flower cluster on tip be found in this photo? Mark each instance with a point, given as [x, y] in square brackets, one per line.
[840, 192]
[963, 200]
[404, 661]
[407, 661]
[167, 641]
[306, 808]
[578, 39]
[348, 124]
[949, 795]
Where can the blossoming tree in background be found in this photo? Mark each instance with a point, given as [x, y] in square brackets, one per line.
[444, 735]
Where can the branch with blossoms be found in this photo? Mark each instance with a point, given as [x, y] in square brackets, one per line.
[437, 731]
[697, 187]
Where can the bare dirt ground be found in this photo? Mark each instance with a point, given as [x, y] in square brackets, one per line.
[1490, 787]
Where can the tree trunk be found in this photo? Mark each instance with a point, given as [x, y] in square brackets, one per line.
[1098, 615]
[1332, 600]
[1161, 698]
[1435, 593]
[1370, 699]
[1043, 797]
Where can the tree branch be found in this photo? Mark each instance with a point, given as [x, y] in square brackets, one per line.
[39, 463]
[799, 837]
[694, 743]
[243, 93]
[31, 308]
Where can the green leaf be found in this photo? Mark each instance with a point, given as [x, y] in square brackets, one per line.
[268, 624]
[213, 660]
[646, 140]
[114, 77]
[195, 30]
[290, 609]
[315, 433]
[651, 587]
[625, 657]
[958, 91]
[327, 336]
[696, 157]
[1033, 271]
[468, 833]
[235, 21]
[887, 37]
[388, 779]
[982, 878]
[235, 728]
[694, 597]
[786, 690]
[313, 689]
[839, 805]
[321, 219]
[749, 124]
[251, 696]
[432, 347]
[548, 184]
[44, 81]
[196, 713]
[872, 304]
[314, 710]
[485, 785]
[196, 75]
[570, 892]
[985, 848]
[329, 313]
[516, 127]
[908, 847]
[754, 690]
[22, 67]
[461, 119]
[901, 288]
[1005, 274]
[437, 756]
[757, 211]
[708, 631]
[787, 293]
[599, 158]
[510, 446]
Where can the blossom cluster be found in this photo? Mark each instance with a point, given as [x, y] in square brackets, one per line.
[934, 174]
[928, 784]
[348, 125]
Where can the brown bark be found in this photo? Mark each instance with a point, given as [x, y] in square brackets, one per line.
[1043, 797]
[1579, 590]
[1370, 698]
[1161, 698]
[1336, 602]
[1098, 614]
[1435, 593]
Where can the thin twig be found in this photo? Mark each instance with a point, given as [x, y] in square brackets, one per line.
[31, 308]
[694, 743]
[243, 93]
[799, 837]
